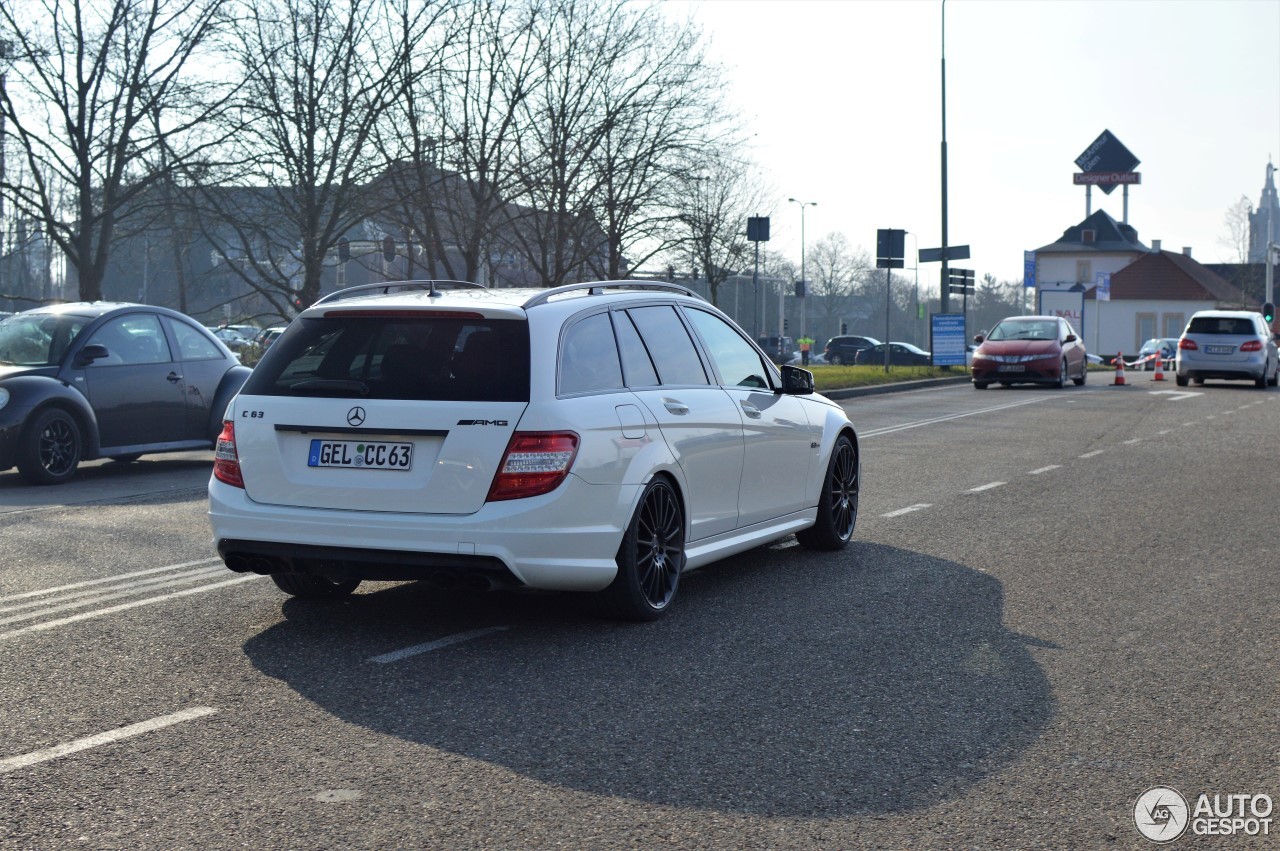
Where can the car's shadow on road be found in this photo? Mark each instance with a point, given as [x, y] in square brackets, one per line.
[782, 683]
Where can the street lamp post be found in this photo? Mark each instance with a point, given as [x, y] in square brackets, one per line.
[803, 280]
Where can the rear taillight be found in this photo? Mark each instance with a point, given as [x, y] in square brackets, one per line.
[1188, 344]
[1251, 346]
[226, 463]
[535, 463]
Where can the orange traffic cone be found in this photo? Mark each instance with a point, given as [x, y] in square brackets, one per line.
[1159, 376]
[1119, 382]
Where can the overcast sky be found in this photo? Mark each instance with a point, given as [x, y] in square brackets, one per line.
[844, 97]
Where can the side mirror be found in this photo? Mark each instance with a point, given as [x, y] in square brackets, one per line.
[1070, 338]
[91, 353]
[796, 381]
[978, 338]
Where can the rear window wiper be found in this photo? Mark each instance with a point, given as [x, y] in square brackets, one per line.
[346, 386]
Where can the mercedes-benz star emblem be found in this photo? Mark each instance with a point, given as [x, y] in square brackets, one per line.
[355, 416]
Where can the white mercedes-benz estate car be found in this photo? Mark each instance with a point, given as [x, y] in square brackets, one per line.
[592, 437]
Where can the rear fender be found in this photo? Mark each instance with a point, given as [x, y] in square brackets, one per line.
[228, 387]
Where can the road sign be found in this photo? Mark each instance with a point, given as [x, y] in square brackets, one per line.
[946, 339]
[934, 255]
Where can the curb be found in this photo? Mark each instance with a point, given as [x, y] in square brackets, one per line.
[894, 387]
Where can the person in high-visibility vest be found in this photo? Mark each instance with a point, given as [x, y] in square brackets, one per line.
[806, 343]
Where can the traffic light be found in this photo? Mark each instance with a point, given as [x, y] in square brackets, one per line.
[1269, 312]
[388, 249]
[844, 328]
[344, 250]
[786, 324]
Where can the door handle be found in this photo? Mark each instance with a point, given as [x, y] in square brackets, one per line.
[675, 407]
[751, 410]
[173, 378]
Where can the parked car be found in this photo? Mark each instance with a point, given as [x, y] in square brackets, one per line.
[588, 437]
[1228, 344]
[231, 338]
[267, 336]
[1030, 349]
[1166, 346]
[900, 354]
[92, 380]
[844, 349]
[780, 350]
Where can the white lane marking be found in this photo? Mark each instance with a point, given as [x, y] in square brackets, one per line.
[910, 508]
[1092, 454]
[83, 616]
[1040, 470]
[1175, 395]
[118, 577]
[1131, 442]
[116, 594]
[397, 655]
[15, 762]
[1184, 425]
[124, 589]
[1163, 431]
[917, 424]
[988, 486]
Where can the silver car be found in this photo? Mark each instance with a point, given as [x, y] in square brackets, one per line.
[1229, 344]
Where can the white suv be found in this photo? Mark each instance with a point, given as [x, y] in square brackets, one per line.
[591, 437]
[1230, 344]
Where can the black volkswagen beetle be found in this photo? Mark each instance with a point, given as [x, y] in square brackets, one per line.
[93, 380]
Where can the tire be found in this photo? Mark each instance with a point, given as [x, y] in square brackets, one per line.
[1261, 381]
[1275, 379]
[1084, 374]
[1198, 381]
[50, 449]
[651, 556]
[979, 385]
[838, 504]
[1062, 375]
[837, 360]
[1181, 380]
[313, 587]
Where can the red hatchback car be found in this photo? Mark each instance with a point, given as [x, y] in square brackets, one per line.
[1030, 350]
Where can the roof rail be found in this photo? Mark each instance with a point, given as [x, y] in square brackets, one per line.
[433, 288]
[597, 287]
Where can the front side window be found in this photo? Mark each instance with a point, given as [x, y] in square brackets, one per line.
[132, 339]
[735, 359]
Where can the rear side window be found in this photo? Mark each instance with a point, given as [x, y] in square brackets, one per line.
[669, 344]
[1232, 325]
[589, 357]
[429, 359]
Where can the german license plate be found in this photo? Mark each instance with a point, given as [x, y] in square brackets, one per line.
[1219, 350]
[361, 454]
[1011, 367]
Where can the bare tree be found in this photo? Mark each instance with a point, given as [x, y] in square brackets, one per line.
[94, 75]
[1236, 238]
[452, 137]
[318, 77]
[834, 270]
[714, 215]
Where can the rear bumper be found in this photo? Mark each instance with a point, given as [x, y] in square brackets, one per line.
[566, 540]
[1205, 366]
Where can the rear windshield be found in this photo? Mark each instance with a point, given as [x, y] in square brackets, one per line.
[463, 359]
[1235, 325]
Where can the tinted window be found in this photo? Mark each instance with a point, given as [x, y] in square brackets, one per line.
[1024, 329]
[589, 357]
[425, 358]
[639, 367]
[669, 344]
[1235, 325]
[736, 360]
[192, 344]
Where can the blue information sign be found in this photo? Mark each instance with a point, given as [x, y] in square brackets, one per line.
[1029, 269]
[947, 342]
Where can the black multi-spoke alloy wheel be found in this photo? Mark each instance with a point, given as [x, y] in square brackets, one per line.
[838, 505]
[50, 449]
[313, 587]
[651, 557]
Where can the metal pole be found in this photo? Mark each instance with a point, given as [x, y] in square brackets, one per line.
[945, 295]
[888, 287]
[755, 294]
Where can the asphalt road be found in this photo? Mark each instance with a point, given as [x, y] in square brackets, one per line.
[1055, 601]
